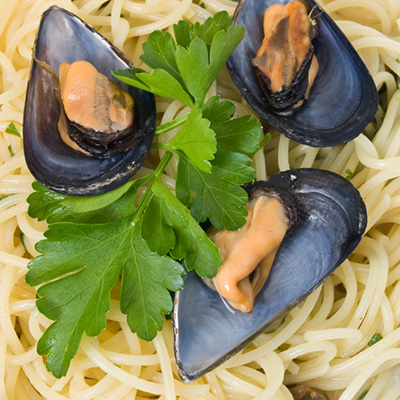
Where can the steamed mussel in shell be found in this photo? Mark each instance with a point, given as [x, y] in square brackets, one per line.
[331, 219]
[300, 73]
[77, 153]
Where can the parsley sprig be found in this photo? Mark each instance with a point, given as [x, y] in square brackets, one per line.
[91, 242]
[184, 68]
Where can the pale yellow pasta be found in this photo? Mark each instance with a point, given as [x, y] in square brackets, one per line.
[324, 342]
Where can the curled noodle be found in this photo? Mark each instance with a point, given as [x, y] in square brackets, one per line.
[324, 341]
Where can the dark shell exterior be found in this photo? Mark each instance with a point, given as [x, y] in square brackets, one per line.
[343, 99]
[332, 219]
[63, 37]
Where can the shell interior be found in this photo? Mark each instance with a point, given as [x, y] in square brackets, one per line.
[332, 220]
[343, 99]
[63, 37]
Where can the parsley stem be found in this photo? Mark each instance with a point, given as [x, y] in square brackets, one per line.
[149, 191]
[162, 164]
[171, 125]
[161, 145]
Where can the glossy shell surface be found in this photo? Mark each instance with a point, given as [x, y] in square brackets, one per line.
[332, 220]
[63, 37]
[343, 98]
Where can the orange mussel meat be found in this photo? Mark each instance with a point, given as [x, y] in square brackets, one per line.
[285, 63]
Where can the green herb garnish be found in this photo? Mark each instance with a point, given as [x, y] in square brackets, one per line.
[10, 150]
[186, 68]
[350, 174]
[22, 239]
[12, 130]
[93, 241]
[376, 338]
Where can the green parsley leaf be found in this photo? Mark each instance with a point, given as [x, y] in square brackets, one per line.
[54, 207]
[190, 61]
[83, 262]
[222, 19]
[185, 33]
[207, 31]
[44, 203]
[217, 196]
[196, 140]
[199, 66]
[157, 82]
[218, 112]
[146, 280]
[239, 134]
[12, 130]
[159, 52]
[11, 151]
[87, 204]
[169, 227]
[376, 338]
[185, 72]
[92, 253]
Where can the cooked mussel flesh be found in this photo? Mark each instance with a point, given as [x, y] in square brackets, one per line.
[285, 62]
[88, 153]
[96, 114]
[248, 253]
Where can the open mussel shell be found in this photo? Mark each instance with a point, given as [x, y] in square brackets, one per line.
[332, 220]
[343, 98]
[63, 37]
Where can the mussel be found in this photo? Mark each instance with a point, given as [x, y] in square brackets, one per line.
[103, 159]
[343, 98]
[331, 221]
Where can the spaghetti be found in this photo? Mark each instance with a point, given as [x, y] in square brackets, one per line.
[323, 342]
